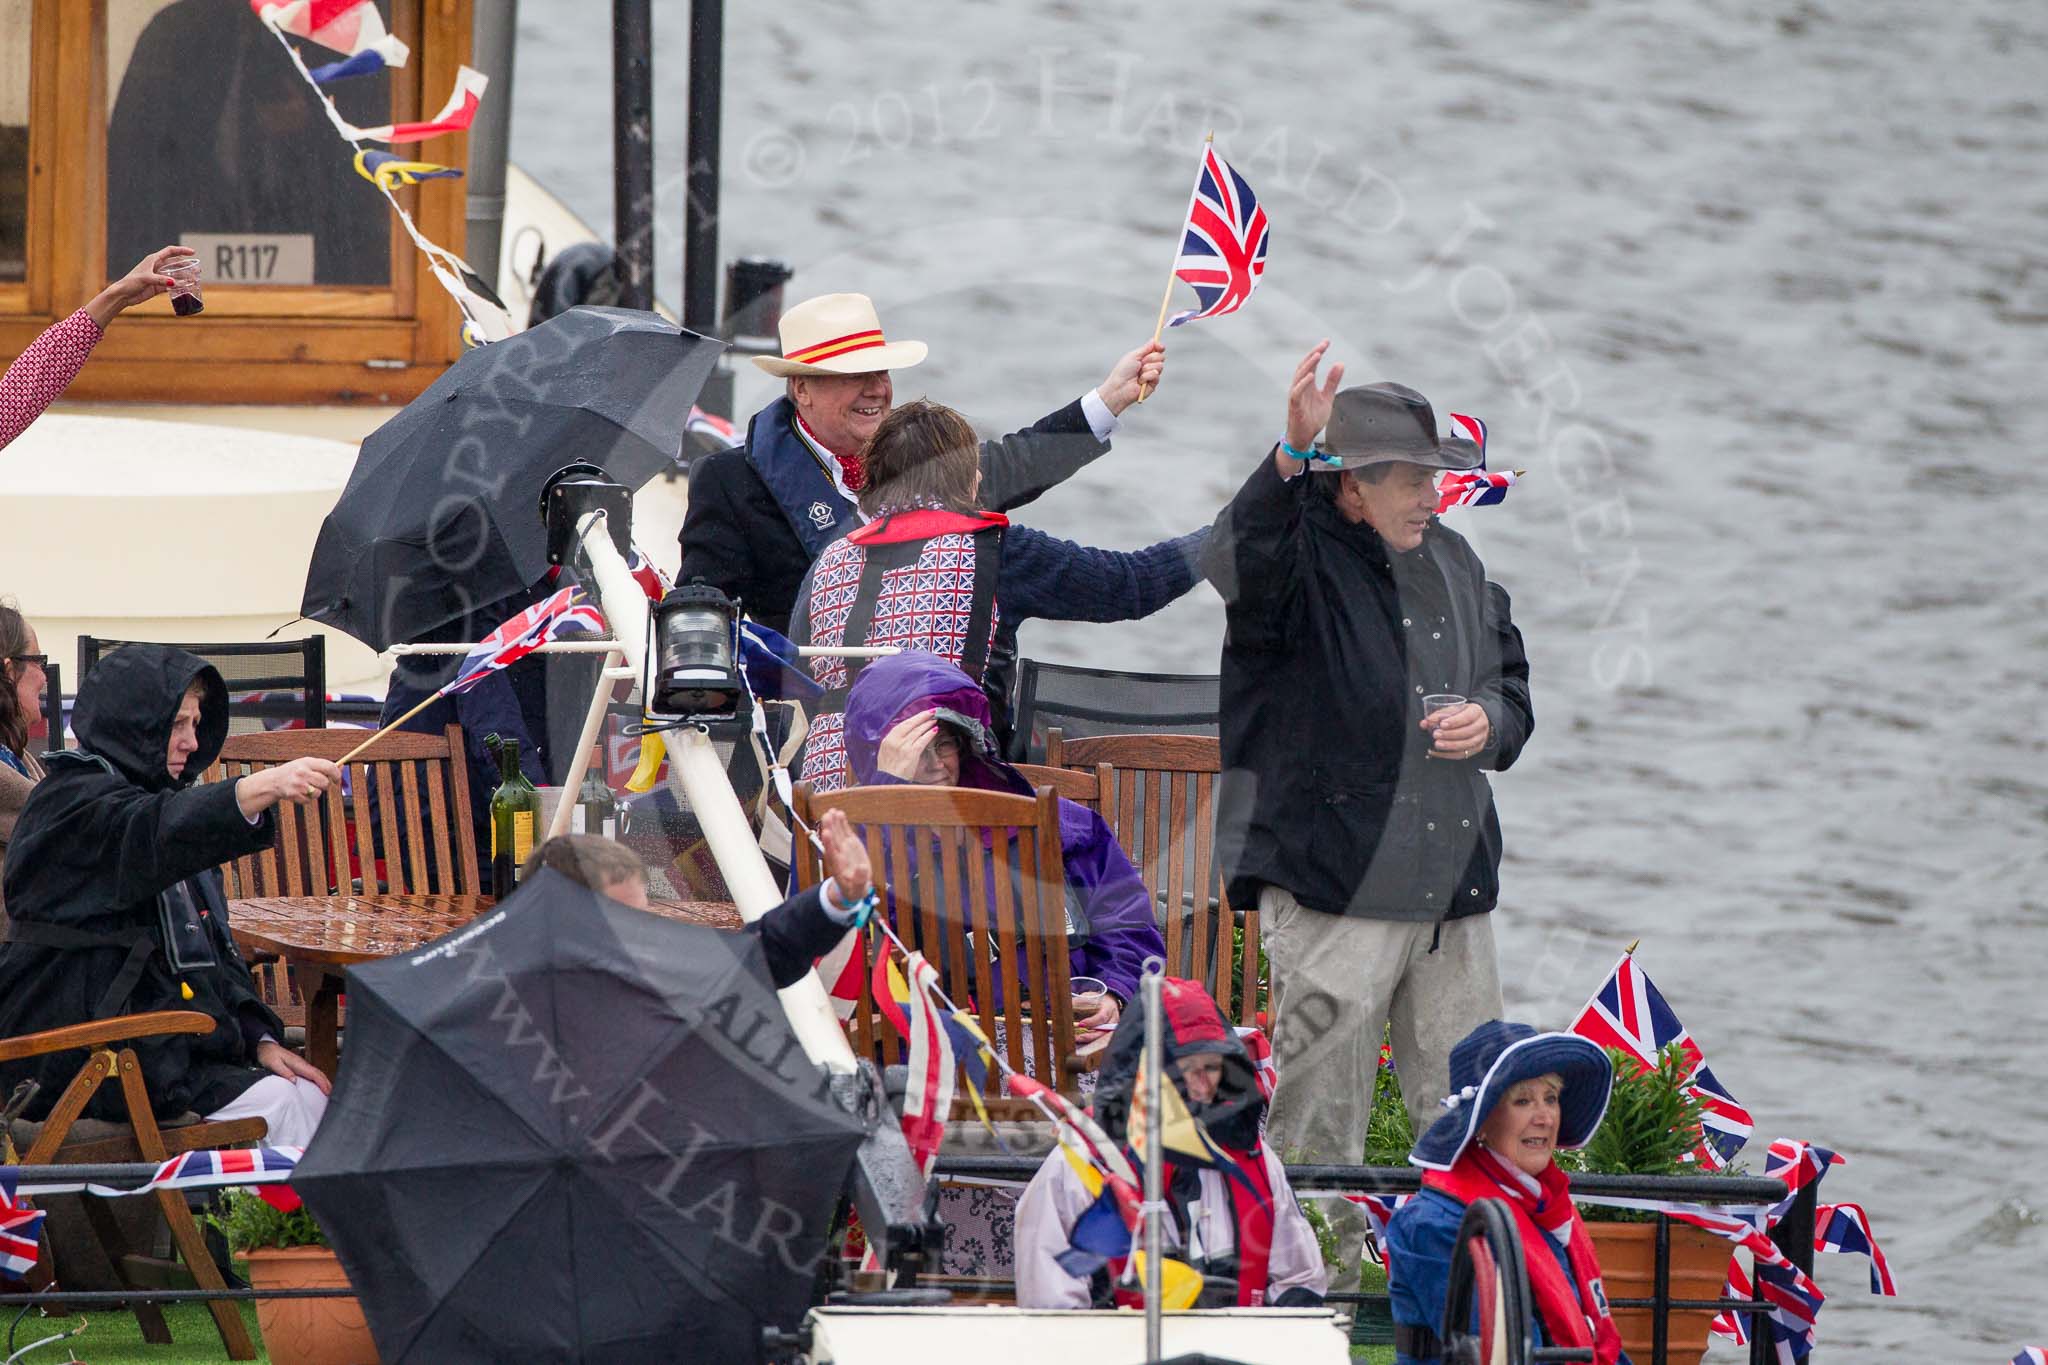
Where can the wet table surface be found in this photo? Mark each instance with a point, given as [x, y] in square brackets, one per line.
[321, 936]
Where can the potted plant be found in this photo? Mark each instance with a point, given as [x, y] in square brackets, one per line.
[1652, 1128]
[288, 1251]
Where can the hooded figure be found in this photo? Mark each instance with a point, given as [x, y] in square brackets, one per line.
[115, 899]
[1109, 911]
[1246, 1227]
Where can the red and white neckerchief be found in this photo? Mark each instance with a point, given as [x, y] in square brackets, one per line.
[848, 473]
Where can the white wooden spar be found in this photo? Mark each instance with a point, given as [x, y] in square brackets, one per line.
[703, 788]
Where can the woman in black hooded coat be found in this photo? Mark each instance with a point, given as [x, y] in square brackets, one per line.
[115, 898]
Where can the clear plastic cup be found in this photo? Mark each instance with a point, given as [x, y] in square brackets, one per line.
[1439, 701]
[1089, 995]
[186, 299]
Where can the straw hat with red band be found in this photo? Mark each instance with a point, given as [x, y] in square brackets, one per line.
[837, 334]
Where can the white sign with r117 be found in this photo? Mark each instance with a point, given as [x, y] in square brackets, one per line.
[253, 257]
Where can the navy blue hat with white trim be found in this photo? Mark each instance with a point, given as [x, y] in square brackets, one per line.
[1495, 1057]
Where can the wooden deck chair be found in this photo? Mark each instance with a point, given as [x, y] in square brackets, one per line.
[66, 1138]
[1069, 784]
[417, 840]
[949, 861]
[1159, 797]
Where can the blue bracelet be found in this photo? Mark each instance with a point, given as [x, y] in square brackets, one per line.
[1309, 456]
[862, 909]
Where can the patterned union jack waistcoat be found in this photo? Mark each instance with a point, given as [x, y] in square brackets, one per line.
[923, 579]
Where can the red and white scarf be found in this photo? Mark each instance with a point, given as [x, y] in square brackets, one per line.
[1545, 1215]
[853, 471]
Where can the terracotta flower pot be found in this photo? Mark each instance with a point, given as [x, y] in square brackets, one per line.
[308, 1331]
[1628, 1267]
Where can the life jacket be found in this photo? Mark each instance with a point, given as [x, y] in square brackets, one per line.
[797, 479]
[923, 579]
[1246, 1262]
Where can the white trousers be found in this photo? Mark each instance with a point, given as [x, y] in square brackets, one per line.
[291, 1106]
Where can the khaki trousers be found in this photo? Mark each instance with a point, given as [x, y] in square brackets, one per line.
[1337, 984]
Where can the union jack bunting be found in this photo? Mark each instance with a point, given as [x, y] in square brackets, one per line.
[231, 1166]
[1628, 1012]
[1798, 1164]
[1846, 1228]
[1378, 1210]
[647, 574]
[19, 1230]
[1223, 244]
[1264, 1073]
[2031, 1355]
[712, 427]
[929, 1097]
[1473, 487]
[529, 630]
[352, 27]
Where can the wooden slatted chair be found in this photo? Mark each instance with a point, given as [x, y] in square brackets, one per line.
[67, 1138]
[417, 841]
[985, 862]
[420, 825]
[1071, 784]
[1159, 798]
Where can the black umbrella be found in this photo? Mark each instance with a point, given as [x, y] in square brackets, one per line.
[440, 516]
[576, 1131]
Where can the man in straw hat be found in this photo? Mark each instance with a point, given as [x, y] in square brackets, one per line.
[761, 512]
[1358, 819]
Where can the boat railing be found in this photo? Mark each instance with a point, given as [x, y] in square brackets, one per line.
[1793, 1233]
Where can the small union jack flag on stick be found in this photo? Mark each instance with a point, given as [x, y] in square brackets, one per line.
[1473, 487]
[1222, 245]
[1628, 1012]
[545, 620]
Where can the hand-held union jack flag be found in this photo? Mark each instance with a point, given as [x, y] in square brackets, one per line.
[1223, 245]
[1473, 487]
[523, 634]
[1628, 1012]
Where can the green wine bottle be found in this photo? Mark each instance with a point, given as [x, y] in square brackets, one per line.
[515, 814]
[597, 810]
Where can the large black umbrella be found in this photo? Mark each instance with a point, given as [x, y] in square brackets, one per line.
[576, 1131]
[440, 516]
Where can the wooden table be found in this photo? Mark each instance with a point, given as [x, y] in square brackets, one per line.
[322, 936]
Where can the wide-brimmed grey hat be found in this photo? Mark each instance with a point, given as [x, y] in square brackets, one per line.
[1381, 423]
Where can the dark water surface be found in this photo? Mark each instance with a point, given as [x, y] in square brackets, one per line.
[1756, 292]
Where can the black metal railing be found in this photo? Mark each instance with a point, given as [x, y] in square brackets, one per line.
[1793, 1235]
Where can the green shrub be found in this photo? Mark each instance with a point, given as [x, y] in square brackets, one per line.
[1651, 1128]
[1388, 1132]
[249, 1223]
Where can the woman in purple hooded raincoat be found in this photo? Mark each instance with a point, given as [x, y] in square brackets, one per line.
[914, 717]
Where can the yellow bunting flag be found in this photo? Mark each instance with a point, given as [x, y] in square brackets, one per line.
[388, 171]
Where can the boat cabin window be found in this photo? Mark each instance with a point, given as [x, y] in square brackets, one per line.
[126, 125]
[215, 142]
[14, 78]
